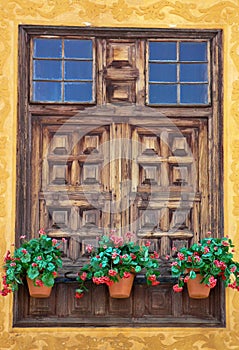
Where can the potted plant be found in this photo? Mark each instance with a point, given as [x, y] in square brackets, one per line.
[115, 262]
[37, 260]
[206, 262]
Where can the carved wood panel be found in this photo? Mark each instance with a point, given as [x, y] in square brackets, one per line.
[126, 177]
[147, 306]
[74, 188]
[121, 70]
[168, 198]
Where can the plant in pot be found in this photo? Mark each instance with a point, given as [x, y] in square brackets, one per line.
[204, 264]
[37, 260]
[115, 262]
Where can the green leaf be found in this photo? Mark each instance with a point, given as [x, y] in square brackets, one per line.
[32, 273]
[192, 274]
[49, 258]
[51, 267]
[26, 258]
[138, 268]
[116, 260]
[48, 280]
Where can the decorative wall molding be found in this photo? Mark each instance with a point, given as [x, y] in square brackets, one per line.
[125, 13]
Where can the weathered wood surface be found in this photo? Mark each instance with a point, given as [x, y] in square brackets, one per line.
[85, 169]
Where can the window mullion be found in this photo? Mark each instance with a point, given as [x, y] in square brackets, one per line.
[178, 74]
[63, 71]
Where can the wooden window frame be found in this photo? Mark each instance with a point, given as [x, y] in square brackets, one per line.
[210, 114]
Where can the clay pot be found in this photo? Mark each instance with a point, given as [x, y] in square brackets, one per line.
[38, 291]
[122, 288]
[197, 290]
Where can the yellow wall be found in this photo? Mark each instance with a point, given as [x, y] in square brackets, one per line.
[118, 13]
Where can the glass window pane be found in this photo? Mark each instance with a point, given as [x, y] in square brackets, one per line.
[77, 70]
[163, 94]
[78, 48]
[193, 72]
[78, 92]
[162, 51]
[193, 51]
[47, 69]
[46, 91]
[191, 93]
[162, 72]
[51, 48]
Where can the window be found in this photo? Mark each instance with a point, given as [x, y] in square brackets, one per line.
[62, 70]
[119, 128]
[178, 72]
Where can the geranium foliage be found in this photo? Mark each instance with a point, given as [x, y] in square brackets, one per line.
[212, 258]
[117, 257]
[38, 259]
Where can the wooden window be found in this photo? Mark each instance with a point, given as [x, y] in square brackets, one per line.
[131, 160]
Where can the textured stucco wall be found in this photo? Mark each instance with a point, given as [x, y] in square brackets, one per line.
[118, 13]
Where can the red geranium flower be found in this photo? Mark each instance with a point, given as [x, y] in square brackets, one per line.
[177, 289]
[79, 295]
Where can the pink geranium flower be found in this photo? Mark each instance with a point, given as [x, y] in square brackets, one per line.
[42, 231]
[39, 283]
[126, 274]
[212, 282]
[186, 278]
[180, 256]
[89, 248]
[83, 276]
[112, 272]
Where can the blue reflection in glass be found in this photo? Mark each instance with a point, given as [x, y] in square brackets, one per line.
[194, 94]
[162, 51]
[78, 70]
[47, 69]
[78, 92]
[193, 51]
[51, 48]
[46, 91]
[193, 72]
[78, 48]
[163, 94]
[162, 72]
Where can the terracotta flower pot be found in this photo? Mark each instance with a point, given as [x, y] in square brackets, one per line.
[38, 291]
[197, 290]
[122, 289]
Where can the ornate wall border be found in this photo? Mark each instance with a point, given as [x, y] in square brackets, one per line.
[117, 13]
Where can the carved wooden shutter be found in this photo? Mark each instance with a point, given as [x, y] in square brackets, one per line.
[119, 165]
[74, 193]
[169, 185]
